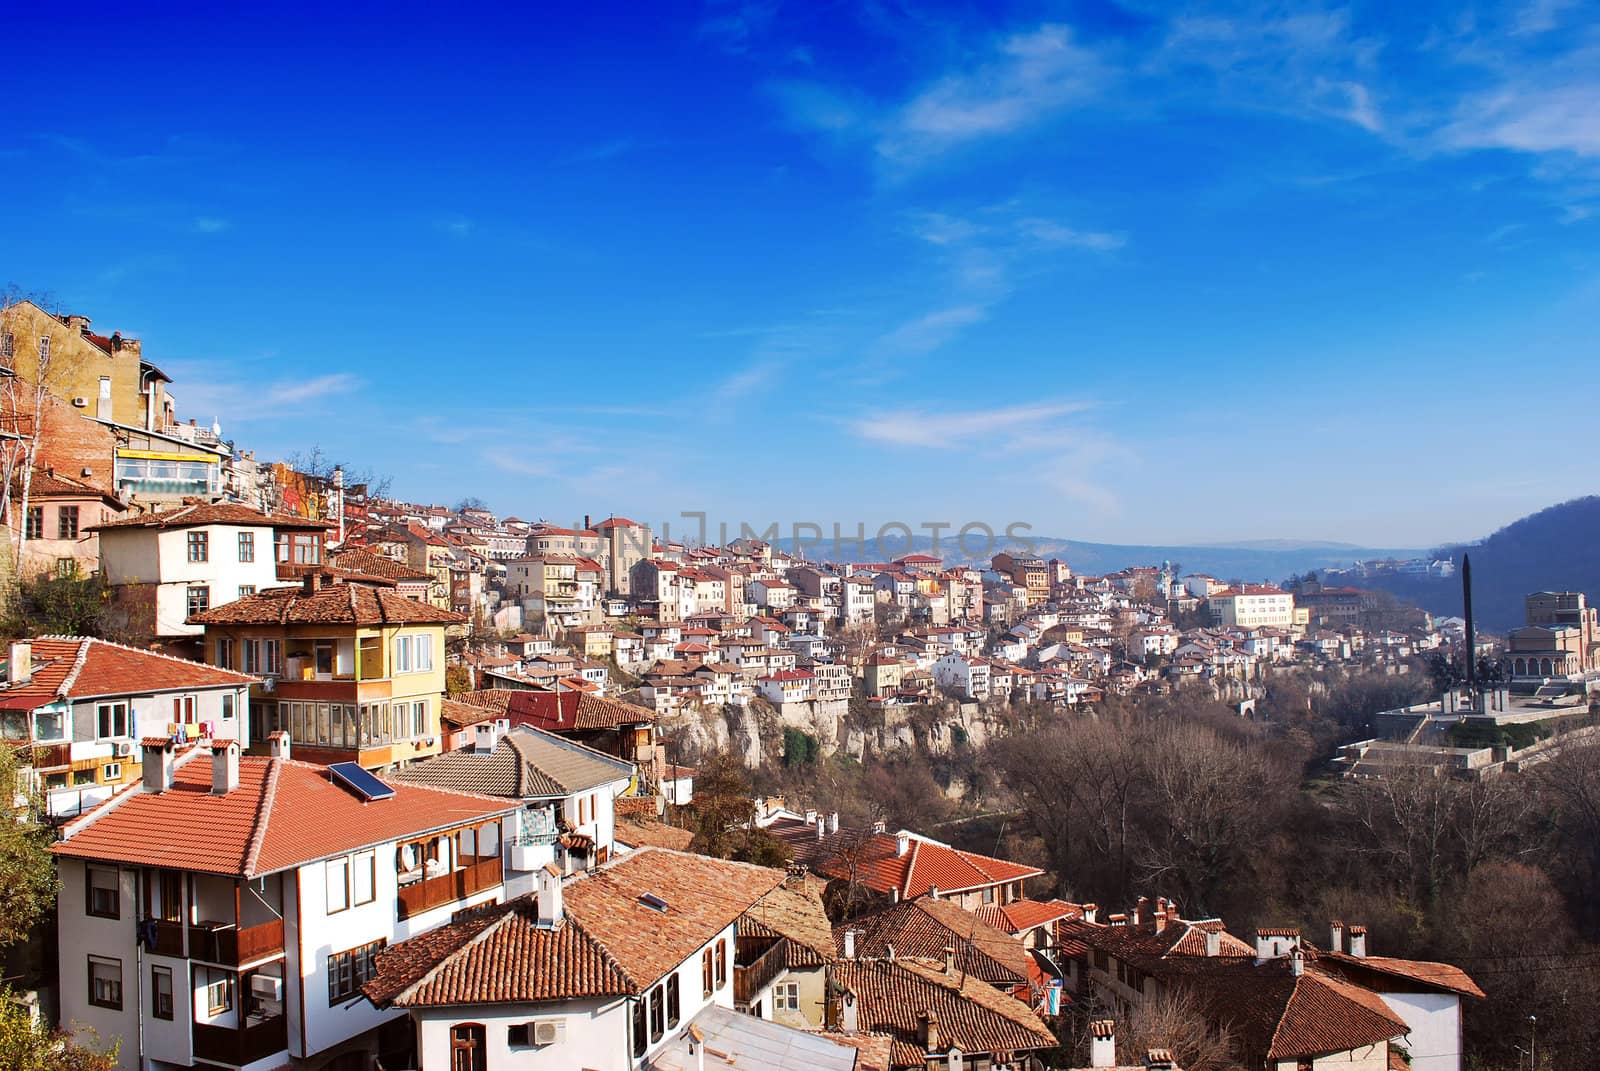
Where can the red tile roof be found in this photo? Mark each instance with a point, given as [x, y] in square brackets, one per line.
[1278, 1015]
[926, 927]
[283, 814]
[196, 514]
[570, 711]
[1019, 916]
[895, 997]
[1371, 971]
[78, 668]
[927, 864]
[333, 604]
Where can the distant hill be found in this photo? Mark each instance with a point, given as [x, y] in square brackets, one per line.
[1552, 550]
[1269, 560]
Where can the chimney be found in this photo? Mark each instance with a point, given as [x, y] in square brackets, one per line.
[1117, 920]
[822, 828]
[850, 944]
[1297, 962]
[1159, 1060]
[1103, 1043]
[1158, 919]
[811, 816]
[485, 736]
[224, 767]
[949, 959]
[549, 898]
[1358, 941]
[312, 582]
[159, 761]
[833, 822]
[933, 892]
[1089, 912]
[902, 844]
[1213, 943]
[1336, 936]
[930, 1031]
[278, 745]
[19, 669]
[1140, 911]
[848, 1015]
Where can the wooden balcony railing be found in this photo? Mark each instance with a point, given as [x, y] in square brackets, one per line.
[217, 943]
[443, 889]
[751, 979]
[239, 1046]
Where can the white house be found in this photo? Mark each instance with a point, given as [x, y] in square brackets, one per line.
[165, 568]
[967, 675]
[611, 966]
[228, 910]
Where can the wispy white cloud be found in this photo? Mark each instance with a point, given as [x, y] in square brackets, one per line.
[1537, 115]
[930, 331]
[1051, 233]
[959, 428]
[1025, 79]
[737, 26]
[307, 390]
[745, 383]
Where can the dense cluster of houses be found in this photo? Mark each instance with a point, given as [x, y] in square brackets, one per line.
[377, 784]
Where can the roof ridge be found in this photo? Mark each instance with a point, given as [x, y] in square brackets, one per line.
[258, 830]
[64, 689]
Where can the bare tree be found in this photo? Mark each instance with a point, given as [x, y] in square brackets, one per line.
[1174, 1020]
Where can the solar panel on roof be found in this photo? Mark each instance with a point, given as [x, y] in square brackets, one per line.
[359, 781]
[1550, 691]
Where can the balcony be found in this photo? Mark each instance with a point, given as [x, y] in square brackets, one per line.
[431, 892]
[218, 942]
[239, 1046]
[751, 978]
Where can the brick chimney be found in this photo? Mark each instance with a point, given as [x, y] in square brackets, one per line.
[159, 762]
[949, 959]
[1103, 1043]
[312, 583]
[1159, 1060]
[930, 1031]
[224, 767]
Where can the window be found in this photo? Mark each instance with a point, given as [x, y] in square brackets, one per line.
[165, 895]
[658, 1014]
[183, 709]
[7, 345]
[44, 351]
[786, 997]
[363, 878]
[640, 1039]
[338, 885]
[35, 528]
[105, 893]
[199, 546]
[705, 971]
[301, 548]
[161, 992]
[67, 522]
[249, 655]
[322, 652]
[105, 982]
[349, 971]
[272, 656]
[467, 1048]
[111, 720]
[49, 725]
[413, 654]
[674, 1002]
[246, 590]
[111, 772]
[224, 652]
[219, 991]
[227, 706]
[722, 963]
[247, 546]
[199, 600]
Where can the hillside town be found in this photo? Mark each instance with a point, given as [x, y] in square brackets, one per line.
[439, 767]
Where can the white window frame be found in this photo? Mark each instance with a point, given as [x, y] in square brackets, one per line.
[127, 720]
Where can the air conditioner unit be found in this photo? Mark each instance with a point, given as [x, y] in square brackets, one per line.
[266, 987]
[549, 1031]
[81, 402]
[123, 748]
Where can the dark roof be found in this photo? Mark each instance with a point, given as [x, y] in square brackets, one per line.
[525, 763]
[926, 927]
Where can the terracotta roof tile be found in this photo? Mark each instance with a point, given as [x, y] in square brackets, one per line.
[283, 814]
[196, 514]
[333, 604]
[926, 927]
[72, 666]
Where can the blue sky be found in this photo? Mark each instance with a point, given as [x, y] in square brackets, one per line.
[1245, 272]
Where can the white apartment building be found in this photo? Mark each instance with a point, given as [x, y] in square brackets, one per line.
[1252, 606]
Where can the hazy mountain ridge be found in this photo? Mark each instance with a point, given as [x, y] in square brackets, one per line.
[1551, 550]
[1269, 560]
